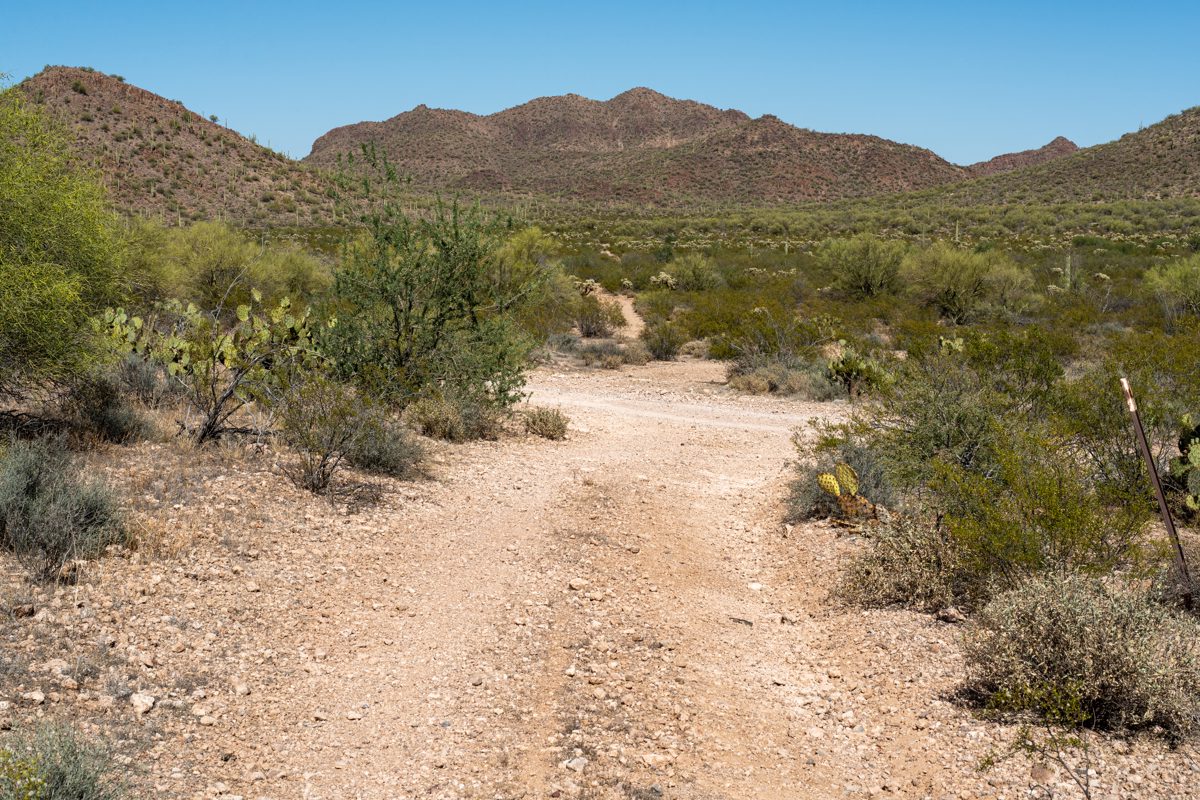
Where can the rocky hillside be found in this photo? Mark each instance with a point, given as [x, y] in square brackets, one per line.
[160, 159]
[1060, 146]
[1161, 161]
[640, 146]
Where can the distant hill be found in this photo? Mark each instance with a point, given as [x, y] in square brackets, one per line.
[160, 159]
[1161, 161]
[640, 146]
[1061, 146]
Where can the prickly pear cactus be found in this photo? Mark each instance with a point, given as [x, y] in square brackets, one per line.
[1185, 470]
[847, 478]
[830, 484]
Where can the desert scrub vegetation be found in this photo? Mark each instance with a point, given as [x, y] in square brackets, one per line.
[50, 516]
[1092, 652]
[56, 763]
[60, 253]
[549, 423]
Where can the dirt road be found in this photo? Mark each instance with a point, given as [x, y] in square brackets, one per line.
[619, 615]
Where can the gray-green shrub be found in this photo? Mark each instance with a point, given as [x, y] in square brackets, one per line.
[56, 763]
[1062, 643]
[549, 423]
[49, 516]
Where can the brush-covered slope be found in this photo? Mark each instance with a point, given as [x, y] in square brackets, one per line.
[1059, 147]
[640, 146]
[160, 159]
[1161, 161]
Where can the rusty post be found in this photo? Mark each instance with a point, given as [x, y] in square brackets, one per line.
[1144, 446]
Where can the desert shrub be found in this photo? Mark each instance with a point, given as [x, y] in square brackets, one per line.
[597, 317]
[95, 405]
[1034, 512]
[863, 266]
[537, 292]
[320, 419]
[636, 353]
[146, 380]
[964, 286]
[806, 498]
[453, 419]
[807, 380]
[694, 273]
[418, 306]
[59, 251]
[549, 423]
[1064, 643]
[217, 267]
[908, 561]
[437, 418]
[55, 763]
[663, 340]
[49, 517]
[1177, 285]
[384, 446]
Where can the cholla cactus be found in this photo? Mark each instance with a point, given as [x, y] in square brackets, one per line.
[663, 280]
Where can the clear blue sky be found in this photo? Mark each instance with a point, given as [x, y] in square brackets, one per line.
[967, 80]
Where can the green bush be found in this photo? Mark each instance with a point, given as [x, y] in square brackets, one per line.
[1035, 512]
[965, 286]
[863, 266]
[1177, 285]
[417, 306]
[60, 259]
[549, 423]
[663, 340]
[596, 317]
[55, 763]
[694, 273]
[49, 517]
[1073, 647]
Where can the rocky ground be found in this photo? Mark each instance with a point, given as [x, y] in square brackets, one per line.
[619, 615]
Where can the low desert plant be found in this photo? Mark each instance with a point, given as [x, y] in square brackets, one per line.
[549, 423]
[663, 340]
[1074, 642]
[445, 417]
[95, 405]
[55, 763]
[857, 373]
[909, 561]
[384, 446]
[320, 420]
[49, 517]
[596, 317]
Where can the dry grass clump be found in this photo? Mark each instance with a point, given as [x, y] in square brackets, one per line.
[549, 423]
[1075, 649]
[909, 562]
[440, 417]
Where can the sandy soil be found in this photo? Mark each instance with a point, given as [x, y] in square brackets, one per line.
[618, 615]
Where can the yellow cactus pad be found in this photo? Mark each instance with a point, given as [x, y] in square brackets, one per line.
[847, 478]
[829, 484]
